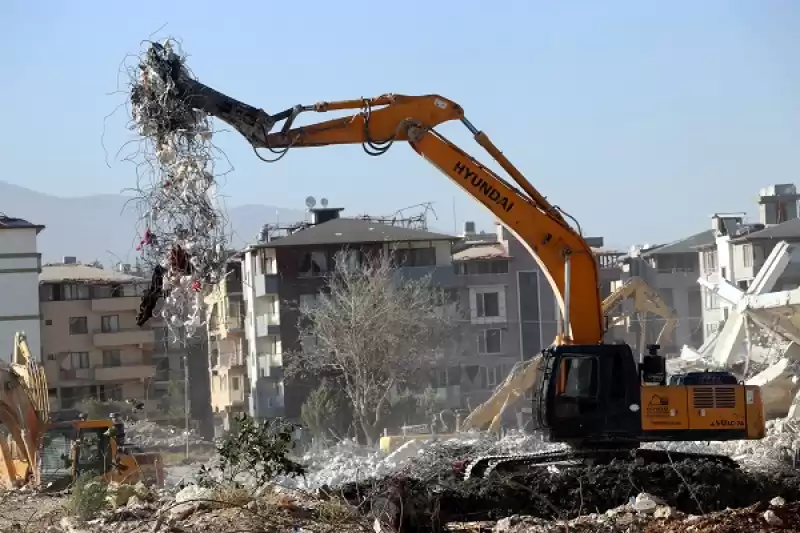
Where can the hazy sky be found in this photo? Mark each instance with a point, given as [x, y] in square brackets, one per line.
[639, 118]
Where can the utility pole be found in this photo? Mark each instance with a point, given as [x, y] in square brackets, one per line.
[186, 393]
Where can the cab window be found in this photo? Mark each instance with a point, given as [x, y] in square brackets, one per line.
[578, 377]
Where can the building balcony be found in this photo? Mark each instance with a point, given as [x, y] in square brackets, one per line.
[116, 305]
[441, 276]
[76, 374]
[124, 372]
[124, 337]
[268, 324]
[267, 284]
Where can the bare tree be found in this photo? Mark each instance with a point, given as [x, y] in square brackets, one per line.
[374, 332]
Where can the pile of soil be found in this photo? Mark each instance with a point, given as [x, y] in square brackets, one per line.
[692, 487]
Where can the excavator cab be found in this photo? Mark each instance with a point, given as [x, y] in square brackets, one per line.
[586, 393]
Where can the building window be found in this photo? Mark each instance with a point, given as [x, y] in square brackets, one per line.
[487, 304]
[308, 301]
[490, 341]
[415, 257]
[352, 258]
[709, 261]
[475, 268]
[109, 323]
[712, 300]
[235, 383]
[79, 360]
[711, 328]
[495, 375]
[48, 322]
[312, 264]
[75, 291]
[747, 255]
[77, 325]
[112, 358]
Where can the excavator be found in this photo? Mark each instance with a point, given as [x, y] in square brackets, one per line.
[600, 399]
[45, 452]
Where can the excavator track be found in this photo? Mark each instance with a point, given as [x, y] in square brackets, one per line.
[485, 466]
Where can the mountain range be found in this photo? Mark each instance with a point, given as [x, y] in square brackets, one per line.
[104, 227]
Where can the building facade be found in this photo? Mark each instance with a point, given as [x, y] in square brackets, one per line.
[739, 249]
[509, 310]
[20, 265]
[92, 347]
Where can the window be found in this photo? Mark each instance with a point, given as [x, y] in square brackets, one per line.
[580, 377]
[235, 383]
[352, 258]
[490, 341]
[48, 322]
[308, 300]
[488, 304]
[709, 261]
[312, 264]
[712, 300]
[112, 358]
[473, 268]
[77, 325]
[747, 255]
[495, 375]
[415, 257]
[79, 360]
[109, 323]
[107, 291]
[266, 264]
[711, 328]
[74, 291]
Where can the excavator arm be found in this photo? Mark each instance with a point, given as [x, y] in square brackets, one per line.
[378, 122]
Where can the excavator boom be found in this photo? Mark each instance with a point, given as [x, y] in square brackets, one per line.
[565, 257]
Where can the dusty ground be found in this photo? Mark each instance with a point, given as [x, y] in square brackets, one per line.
[26, 512]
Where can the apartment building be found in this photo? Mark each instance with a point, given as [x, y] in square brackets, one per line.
[227, 346]
[511, 311]
[739, 249]
[20, 264]
[672, 269]
[288, 268]
[92, 347]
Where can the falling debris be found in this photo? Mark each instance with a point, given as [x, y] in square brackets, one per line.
[183, 229]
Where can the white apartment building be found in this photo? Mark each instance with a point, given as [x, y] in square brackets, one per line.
[740, 249]
[20, 265]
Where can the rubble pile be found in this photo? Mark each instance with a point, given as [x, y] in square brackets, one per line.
[690, 487]
[138, 509]
[349, 462]
[159, 437]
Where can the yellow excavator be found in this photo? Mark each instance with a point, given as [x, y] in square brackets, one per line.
[600, 399]
[42, 451]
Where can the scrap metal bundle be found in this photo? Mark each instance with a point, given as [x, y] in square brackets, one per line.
[183, 229]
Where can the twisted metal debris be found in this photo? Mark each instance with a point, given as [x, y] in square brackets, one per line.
[183, 229]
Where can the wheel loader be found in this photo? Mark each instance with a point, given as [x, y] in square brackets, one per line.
[47, 452]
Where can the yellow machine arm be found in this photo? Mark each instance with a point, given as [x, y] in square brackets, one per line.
[560, 250]
[524, 374]
[645, 300]
[24, 410]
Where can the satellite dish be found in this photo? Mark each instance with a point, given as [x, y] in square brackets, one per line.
[324, 202]
[311, 202]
